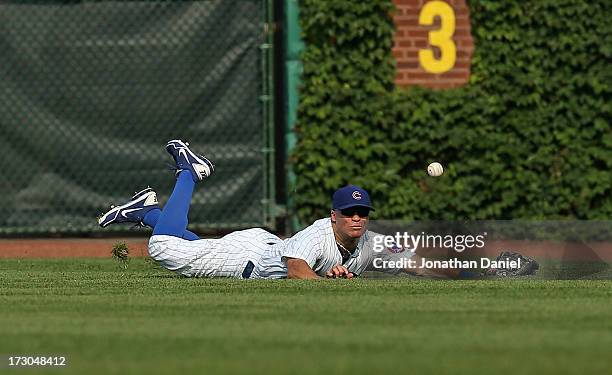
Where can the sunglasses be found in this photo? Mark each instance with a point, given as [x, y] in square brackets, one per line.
[351, 211]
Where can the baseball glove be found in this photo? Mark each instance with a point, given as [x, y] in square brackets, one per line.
[528, 266]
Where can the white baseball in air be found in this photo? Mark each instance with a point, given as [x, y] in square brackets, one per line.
[435, 169]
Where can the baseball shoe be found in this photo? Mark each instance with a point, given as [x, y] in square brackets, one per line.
[133, 211]
[185, 159]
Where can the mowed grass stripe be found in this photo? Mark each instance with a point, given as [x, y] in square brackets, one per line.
[105, 319]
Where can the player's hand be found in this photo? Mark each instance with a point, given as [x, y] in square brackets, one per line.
[339, 271]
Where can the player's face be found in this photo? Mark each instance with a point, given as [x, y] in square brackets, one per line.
[352, 221]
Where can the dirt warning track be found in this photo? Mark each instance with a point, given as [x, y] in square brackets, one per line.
[69, 248]
[101, 248]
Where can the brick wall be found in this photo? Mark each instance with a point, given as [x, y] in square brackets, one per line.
[410, 37]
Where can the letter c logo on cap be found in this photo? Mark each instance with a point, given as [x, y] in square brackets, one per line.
[356, 195]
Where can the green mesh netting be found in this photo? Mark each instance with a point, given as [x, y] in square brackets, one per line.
[90, 91]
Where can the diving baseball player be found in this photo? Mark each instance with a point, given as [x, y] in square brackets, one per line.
[337, 246]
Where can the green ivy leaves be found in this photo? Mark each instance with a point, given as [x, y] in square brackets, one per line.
[530, 136]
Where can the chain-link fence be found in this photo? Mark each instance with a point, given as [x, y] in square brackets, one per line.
[90, 91]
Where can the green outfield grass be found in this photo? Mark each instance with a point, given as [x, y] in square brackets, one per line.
[145, 320]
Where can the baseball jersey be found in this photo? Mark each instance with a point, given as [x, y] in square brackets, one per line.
[317, 246]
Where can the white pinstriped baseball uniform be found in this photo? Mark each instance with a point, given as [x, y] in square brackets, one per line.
[223, 257]
[228, 256]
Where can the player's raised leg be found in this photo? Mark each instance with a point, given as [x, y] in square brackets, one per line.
[167, 245]
[191, 168]
[142, 209]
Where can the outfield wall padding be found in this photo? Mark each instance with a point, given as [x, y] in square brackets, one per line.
[91, 91]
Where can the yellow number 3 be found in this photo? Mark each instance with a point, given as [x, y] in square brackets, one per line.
[442, 38]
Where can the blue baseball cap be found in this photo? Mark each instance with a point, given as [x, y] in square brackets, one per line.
[351, 196]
